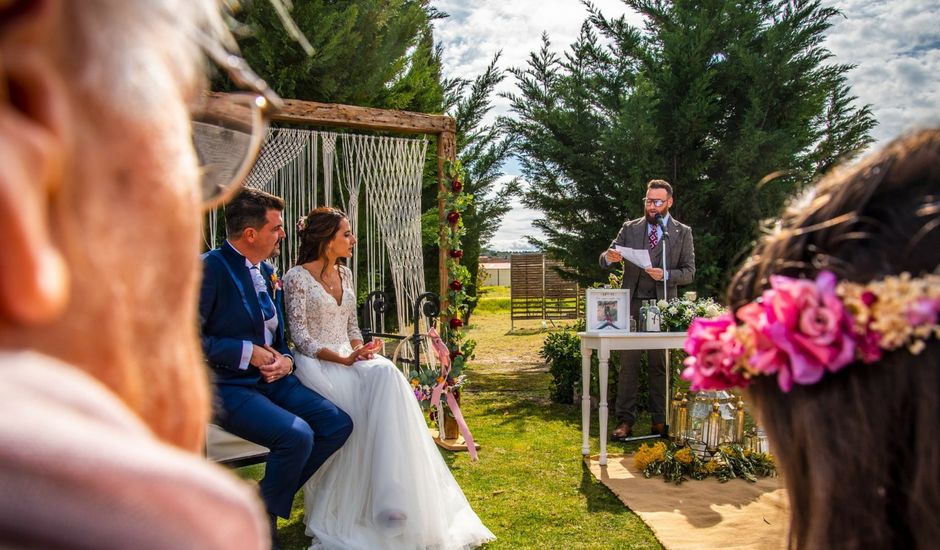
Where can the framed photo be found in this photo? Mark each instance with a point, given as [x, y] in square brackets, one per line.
[607, 310]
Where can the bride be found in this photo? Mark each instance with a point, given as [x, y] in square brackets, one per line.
[388, 486]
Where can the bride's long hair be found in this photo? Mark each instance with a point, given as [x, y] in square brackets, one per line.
[317, 230]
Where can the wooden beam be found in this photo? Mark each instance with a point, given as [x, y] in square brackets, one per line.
[446, 151]
[363, 118]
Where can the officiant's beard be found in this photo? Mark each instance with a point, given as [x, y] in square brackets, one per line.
[651, 218]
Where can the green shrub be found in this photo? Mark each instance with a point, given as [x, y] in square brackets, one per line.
[562, 353]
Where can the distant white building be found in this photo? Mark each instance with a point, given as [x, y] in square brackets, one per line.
[496, 273]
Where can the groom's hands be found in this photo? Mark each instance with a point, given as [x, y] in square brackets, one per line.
[261, 356]
[271, 363]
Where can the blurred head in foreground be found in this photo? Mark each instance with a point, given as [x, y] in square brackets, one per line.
[101, 199]
[835, 333]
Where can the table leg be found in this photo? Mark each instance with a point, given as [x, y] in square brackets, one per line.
[602, 409]
[668, 402]
[585, 400]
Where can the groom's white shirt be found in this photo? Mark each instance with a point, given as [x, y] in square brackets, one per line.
[270, 325]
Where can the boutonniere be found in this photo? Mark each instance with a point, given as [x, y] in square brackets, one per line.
[275, 282]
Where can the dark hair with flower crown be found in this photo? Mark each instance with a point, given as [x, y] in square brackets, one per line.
[858, 447]
[315, 232]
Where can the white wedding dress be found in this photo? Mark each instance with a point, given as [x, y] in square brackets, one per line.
[388, 486]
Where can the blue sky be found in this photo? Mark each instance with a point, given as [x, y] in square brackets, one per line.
[894, 43]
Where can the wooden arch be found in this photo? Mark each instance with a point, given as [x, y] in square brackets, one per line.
[442, 127]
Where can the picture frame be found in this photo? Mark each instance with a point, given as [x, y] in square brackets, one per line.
[607, 310]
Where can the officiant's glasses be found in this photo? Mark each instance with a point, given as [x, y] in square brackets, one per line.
[655, 202]
[229, 129]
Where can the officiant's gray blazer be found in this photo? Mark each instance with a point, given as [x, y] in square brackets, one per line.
[680, 255]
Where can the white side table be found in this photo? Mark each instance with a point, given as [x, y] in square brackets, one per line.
[604, 343]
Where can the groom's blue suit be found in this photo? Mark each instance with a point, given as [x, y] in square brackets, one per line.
[299, 426]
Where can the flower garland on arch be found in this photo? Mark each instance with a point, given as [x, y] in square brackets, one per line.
[456, 201]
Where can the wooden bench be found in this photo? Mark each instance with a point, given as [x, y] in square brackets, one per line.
[232, 451]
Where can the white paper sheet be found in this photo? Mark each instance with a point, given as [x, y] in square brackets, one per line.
[639, 257]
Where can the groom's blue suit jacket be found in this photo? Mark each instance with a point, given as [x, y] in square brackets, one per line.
[230, 314]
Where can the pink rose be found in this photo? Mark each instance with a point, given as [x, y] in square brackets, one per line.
[767, 358]
[713, 350]
[805, 321]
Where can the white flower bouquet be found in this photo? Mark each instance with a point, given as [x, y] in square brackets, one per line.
[678, 313]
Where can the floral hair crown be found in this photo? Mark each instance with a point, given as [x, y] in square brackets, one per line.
[800, 329]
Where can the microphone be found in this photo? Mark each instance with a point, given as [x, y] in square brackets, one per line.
[661, 223]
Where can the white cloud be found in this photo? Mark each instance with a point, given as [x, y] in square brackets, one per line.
[516, 226]
[895, 45]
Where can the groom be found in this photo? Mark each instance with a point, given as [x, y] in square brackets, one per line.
[242, 324]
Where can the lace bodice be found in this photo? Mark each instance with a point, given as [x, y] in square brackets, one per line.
[314, 318]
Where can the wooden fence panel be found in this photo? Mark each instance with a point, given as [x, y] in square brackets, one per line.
[561, 295]
[539, 292]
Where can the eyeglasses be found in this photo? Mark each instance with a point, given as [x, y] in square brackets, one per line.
[655, 202]
[229, 129]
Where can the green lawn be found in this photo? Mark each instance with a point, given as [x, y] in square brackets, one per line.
[530, 486]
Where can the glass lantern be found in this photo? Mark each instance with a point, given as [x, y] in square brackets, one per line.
[679, 418]
[712, 421]
[756, 440]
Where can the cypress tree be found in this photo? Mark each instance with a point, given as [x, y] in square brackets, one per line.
[736, 103]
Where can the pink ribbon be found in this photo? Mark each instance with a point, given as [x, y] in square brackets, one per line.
[443, 357]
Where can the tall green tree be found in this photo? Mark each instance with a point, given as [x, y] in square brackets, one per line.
[370, 53]
[711, 95]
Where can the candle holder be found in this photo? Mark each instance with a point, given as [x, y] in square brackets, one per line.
[712, 420]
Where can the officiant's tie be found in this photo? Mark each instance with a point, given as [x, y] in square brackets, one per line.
[264, 299]
[653, 239]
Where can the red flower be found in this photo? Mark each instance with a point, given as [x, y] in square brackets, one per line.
[456, 286]
[456, 185]
[456, 254]
[453, 217]
[456, 323]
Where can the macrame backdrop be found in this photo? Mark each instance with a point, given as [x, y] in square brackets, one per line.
[385, 172]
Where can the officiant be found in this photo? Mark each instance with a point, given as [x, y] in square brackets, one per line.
[652, 232]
